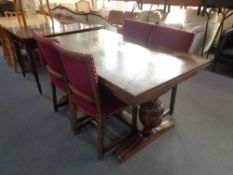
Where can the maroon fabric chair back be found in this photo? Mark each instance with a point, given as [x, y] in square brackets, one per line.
[48, 53]
[84, 95]
[136, 29]
[80, 71]
[171, 38]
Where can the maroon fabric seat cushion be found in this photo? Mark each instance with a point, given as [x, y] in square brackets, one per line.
[171, 38]
[136, 29]
[110, 105]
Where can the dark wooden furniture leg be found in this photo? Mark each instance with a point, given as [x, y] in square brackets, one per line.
[151, 115]
[29, 48]
[54, 94]
[58, 102]
[17, 45]
[73, 116]
[173, 100]
[19, 57]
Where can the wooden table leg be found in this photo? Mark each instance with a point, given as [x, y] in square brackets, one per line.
[150, 115]
[33, 66]
[20, 57]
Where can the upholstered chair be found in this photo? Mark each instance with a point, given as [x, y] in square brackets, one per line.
[83, 6]
[137, 29]
[115, 17]
[174, 39]
[53, 65]
[8, 49]
[128, 15]
[87, 95]
[20, 11]
[171, 38]
[224, 51]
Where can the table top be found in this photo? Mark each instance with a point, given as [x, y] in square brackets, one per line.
[133, 72]
[48, 28]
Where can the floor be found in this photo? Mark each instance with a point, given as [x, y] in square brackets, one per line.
[34, 140]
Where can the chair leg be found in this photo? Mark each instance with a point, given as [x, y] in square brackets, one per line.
[19, 57]
[54, 94]
[8, 57]
[15, 64]
[173, 99]
[73, 116]
[100, 138]
[58, 103]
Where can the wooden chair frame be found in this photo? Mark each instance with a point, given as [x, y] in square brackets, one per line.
[99, 123]
[59, 76]
[8, 49]
[88, 5]
[20, 12]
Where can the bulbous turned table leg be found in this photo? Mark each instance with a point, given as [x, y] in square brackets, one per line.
[150, 115]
